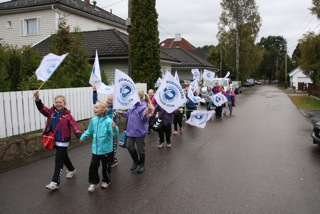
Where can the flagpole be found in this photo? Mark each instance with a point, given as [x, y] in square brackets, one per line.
[38, 88]
[41, 86]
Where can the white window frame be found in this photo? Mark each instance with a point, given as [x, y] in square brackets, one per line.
[24, 26]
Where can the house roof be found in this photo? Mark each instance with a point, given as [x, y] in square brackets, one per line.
[109, 43]
[180, 43]
[75, 5]
[297, 71]
[187, 59]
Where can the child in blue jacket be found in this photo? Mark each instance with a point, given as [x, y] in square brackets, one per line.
[103, 129]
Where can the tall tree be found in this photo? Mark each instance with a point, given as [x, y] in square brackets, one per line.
[239, 21]
[315, 9]
[75, 69]
[144, 42]
[273, 65]
[4, 77]
[309, 61]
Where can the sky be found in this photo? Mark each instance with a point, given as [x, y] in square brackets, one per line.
[197, 20]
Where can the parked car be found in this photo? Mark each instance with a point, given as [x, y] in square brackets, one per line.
[185, 83]
[316, 133]
[237, 87]
[249, 82]
[257, 82]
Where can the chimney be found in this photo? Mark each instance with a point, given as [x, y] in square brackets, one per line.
[94, 3]
[87, 2]
[177, 37]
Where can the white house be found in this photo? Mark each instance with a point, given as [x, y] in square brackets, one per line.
[297, 76]
[27, 22]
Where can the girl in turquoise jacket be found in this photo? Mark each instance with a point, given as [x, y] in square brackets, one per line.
[102, 129]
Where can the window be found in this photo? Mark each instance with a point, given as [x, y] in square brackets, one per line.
[9, 24]
[30, 26]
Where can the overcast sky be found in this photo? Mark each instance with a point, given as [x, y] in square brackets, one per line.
[197, 20]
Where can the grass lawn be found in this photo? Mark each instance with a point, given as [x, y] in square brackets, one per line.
[306, 102]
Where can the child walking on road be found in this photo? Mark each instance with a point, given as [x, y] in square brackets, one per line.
[103, 129]
[57, 113]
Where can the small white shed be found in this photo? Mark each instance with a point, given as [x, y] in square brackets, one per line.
[297, 76]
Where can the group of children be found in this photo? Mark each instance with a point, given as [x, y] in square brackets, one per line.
[104, 130]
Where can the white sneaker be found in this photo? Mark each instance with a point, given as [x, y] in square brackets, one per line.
[52, 186]
[92, 188]
[70, 174]
[104, 185]
[160, 145]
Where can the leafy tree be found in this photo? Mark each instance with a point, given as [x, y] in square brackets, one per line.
[273, 65]
[239, 26]
[310, 55]
[144, 42]
[75, 69]
[315, 10]
[30, 60]
[4, 77]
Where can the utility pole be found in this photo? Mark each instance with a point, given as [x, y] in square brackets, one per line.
[285, 69]
[128, 24]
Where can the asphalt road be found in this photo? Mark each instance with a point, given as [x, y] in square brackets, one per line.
[259, 160]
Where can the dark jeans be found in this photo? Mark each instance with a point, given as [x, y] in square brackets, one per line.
[177, 119]
[115, 146]
[219, 111]
[208, 106]
[106, 161]
[61, 159]
[165, 130]
[136, 141]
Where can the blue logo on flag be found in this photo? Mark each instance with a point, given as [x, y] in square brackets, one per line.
[125, 90]
[169, 94]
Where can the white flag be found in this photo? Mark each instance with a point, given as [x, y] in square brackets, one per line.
[48, 65]
[193, 98]
[95, 78]
[125, 93]
[157, 84]
[105, 89]
[222, 80]
[170, 95]
[194, 84]
[196, 74]
[199, 118]
[208, 75]
[219, 99]
[176, 76]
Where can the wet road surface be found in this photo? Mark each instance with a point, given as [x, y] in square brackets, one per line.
[259, 160]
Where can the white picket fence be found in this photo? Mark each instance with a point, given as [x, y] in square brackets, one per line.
[19, 114]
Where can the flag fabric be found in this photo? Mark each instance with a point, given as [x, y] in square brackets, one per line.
[105, 89]
[193, 98]
[222, 80]
[95, 78]
[157, 84]
[170, 95]
[219, 99]
[176, 76]
[125, 93]
[208, 75]
[199, 118]
[194, 84]
[48, 65]
[196, 74]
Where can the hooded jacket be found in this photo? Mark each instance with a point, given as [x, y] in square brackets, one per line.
[68, 124]
[138, 123]
[102, 134]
